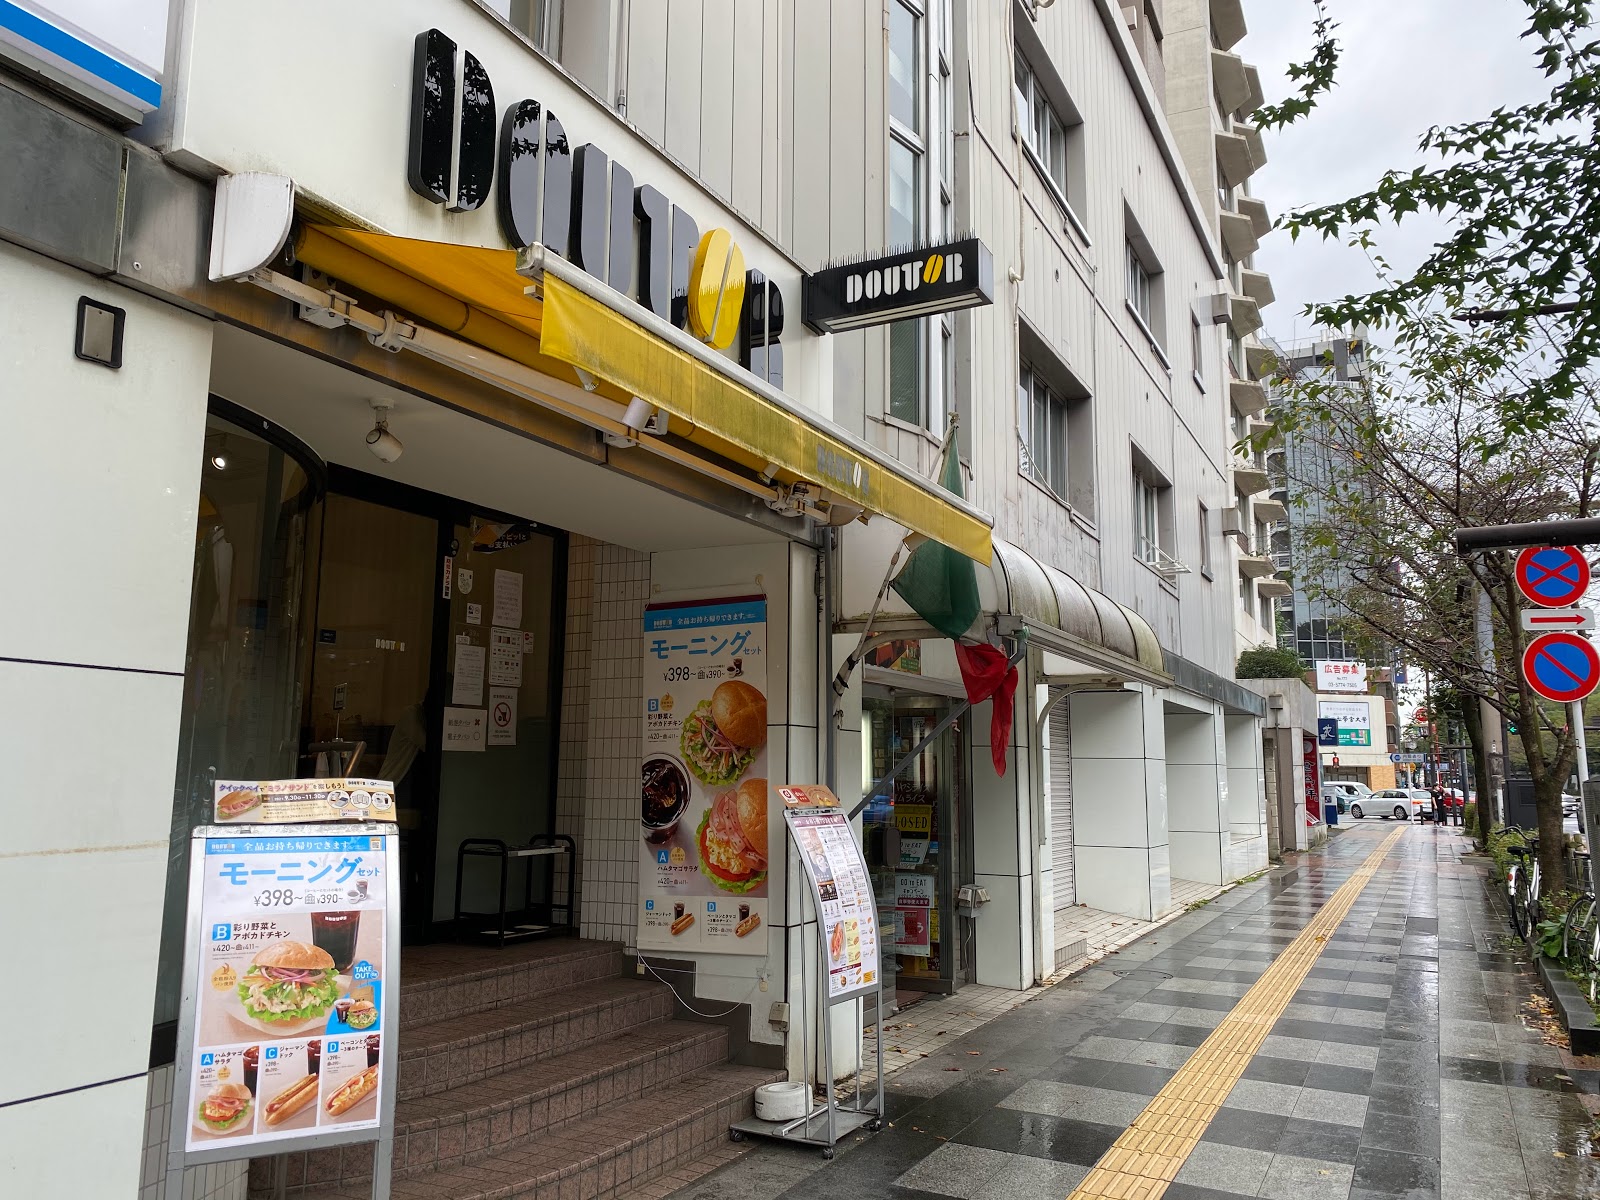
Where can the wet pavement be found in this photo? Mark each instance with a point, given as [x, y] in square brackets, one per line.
[1413, 1060]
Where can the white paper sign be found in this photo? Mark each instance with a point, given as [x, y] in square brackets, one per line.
[502, 716]
[474, 614]
[468, 685]
[1337, 676]
[464, 580]
[508, 599]
[505, 657]
[464, 728]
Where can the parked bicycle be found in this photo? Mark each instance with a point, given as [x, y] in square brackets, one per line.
[1580, 934]
[1522, 885]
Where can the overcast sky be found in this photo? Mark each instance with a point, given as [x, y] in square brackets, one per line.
[1406, 65]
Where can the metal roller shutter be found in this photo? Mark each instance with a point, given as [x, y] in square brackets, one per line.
[1060, 782]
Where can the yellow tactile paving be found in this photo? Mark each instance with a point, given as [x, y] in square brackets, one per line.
[1153, 1149]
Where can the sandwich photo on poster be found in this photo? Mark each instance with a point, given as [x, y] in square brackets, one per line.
[294, 957]
[703, 825]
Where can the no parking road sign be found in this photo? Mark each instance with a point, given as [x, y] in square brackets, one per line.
[1553, 576]
[1562, 667]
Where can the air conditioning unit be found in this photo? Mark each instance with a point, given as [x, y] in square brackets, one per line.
[1130, 15]
[1233, 523]
[1214, 310]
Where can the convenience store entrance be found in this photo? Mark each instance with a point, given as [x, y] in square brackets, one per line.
[917, 839]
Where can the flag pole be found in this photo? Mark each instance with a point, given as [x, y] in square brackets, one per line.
[841, 679]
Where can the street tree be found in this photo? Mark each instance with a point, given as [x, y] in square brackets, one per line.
[1386, 467]
[1517, 188]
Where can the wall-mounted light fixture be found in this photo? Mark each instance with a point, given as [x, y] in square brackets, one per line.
[99, 336]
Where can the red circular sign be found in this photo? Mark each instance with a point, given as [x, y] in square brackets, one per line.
[1562, 667]
[1420, 716]
[1552, 576]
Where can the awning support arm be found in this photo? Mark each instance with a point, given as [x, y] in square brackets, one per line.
[950, 719]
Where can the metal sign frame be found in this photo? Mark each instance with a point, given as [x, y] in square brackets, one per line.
[178, 1156]
[834, 1119]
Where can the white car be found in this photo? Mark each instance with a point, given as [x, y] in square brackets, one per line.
[1400, 803]
[1352, 792]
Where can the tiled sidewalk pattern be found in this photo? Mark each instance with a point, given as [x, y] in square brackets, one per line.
[1158, 1143]
[1413, 1011]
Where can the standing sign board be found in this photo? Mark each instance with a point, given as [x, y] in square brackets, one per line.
[848, 954]
[290, 993]
[842, 888]
[703, 792]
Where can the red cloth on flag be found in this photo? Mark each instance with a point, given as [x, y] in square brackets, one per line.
[987, 674]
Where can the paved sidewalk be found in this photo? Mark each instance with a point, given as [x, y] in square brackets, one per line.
[1408, 1063]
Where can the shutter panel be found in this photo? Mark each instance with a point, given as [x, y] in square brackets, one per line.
[1062, 859]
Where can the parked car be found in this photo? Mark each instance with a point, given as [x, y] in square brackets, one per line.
[1400, 803]
[1350, 791]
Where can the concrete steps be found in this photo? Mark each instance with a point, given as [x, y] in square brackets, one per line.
[539, 1071]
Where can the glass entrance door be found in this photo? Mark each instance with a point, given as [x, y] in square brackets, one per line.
[911, 829]
[499, 661]
[371, 665]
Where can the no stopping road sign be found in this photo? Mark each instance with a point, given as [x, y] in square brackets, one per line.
[1554, 576]
[1562, 667]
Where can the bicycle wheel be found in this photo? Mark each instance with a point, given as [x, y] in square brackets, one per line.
[1514, 897]
[1577, 927]
[1531, 904]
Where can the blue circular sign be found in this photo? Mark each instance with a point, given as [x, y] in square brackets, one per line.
[1561, 666]
[1554, 576]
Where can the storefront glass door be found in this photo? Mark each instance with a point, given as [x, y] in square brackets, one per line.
[911, 830]
[372, 661]
[500, 662]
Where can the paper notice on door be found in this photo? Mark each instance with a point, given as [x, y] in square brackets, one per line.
[505, 657]
[474, 614]
[464, 728]
[508, 599]
[468, 686]
[502, 716]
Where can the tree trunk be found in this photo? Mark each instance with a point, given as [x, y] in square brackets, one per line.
[1552, 838]
[1472, 722]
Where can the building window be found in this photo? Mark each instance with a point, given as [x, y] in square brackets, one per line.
[1205, 541]
[1146, 520]
[1043, 131]
[1138, 285]
[1043, 415]
[1266, 612]
[539, 19]
[1197, 350]
[905, 372]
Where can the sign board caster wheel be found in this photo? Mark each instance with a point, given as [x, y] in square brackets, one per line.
[827, 1152]
[736, 1135]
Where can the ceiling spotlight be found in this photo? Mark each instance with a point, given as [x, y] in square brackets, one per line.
[219, 461]
[380, 441]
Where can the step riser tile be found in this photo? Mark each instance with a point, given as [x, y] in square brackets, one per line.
[440, 1000]
[446, 1067]
[494, 1132]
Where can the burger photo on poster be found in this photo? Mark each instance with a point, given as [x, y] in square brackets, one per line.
[722, 736]
[733, 838]
[289, 981]
[225, 1109]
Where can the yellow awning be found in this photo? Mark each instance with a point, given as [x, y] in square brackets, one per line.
[476, 293]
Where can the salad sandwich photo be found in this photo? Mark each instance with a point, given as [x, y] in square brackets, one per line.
[226, 1109]
[289, 981]
[733, 837]
[722, 736]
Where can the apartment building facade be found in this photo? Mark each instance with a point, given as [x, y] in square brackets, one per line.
[292, 285]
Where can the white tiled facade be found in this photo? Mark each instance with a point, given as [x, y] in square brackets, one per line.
[215, 1181]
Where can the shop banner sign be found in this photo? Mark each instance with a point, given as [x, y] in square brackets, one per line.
[291, 991]
[292, 801]
[1354, 719]
[703, 791]
[846, 907]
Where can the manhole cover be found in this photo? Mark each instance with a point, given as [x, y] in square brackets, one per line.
[1141, 973]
